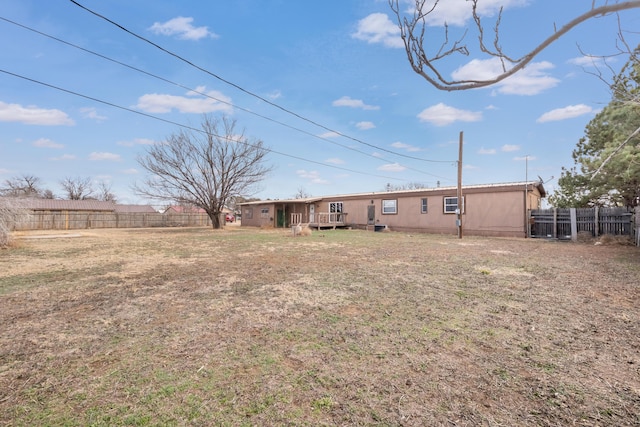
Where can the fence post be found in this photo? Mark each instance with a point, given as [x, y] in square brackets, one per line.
[574, 224]
[596, 221]
[637, 224]
[555, 223]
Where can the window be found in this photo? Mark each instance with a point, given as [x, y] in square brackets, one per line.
[264, 213]
[248, 213]
[335, 207]
[451, 205]
[423, 205]
[389, 207]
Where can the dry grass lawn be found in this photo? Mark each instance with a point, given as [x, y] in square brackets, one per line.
[255, 327]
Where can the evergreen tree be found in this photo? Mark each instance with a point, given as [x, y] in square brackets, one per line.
[607, 158]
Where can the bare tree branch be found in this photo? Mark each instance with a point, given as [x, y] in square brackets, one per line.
[413, 33]
[204, 169]
[77, 188]
[23, 186]
[12, 213]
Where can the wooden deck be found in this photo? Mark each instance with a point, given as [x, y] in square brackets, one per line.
[321, 220]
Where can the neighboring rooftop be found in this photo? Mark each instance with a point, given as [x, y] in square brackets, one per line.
[419, 190]
[80, 205]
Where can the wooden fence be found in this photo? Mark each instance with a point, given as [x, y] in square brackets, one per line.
[73, 220]
[567, 223]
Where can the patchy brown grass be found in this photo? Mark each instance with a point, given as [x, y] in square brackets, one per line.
[257, 327]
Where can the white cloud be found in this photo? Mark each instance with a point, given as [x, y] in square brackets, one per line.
[442, 115]
[104, 156]
[329, 135]
[458, 12]
[591, 61]
[487, 151]
[523, 158]
[335, 161]
[312, 176]
[164, 103]
[64, 157]
[276, 94]
[365, 125]
[392, 167]
[378, 28]
[183, 28]
[346, 101]
[568, 112]
[92, 113]
[46, 143]
[32, 115]
[531, 80]
[510, 147]
[403, 146]
[131, 171]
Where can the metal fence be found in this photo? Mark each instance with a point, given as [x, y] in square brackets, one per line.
[565, 223]
[73, 220]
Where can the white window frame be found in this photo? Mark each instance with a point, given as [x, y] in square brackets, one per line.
[336, 207]
[264, 213]
[451, 208]
[424, 205]
[389, 206]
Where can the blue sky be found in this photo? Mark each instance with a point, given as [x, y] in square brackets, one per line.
[335, 63]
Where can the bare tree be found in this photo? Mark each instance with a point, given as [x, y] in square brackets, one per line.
[24, 186]
[418, 45]
[77, 188]
[105, 194]
[204, 168]
[301, 193]
[11, 213]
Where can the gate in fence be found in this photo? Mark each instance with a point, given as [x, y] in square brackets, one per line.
[566, 223]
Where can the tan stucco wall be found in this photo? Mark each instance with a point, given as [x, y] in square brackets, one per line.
[488, 211]
[494, 213]
[257, 220]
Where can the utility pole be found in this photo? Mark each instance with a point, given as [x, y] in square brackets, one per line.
[459, 196]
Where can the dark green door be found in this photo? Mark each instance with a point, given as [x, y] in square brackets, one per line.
[280, 218]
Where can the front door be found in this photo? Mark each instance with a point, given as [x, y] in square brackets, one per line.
[371, 214]
[312, 213]
[280, 218]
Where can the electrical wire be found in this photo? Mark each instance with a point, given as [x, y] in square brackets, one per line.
[111, 104]
[240, 88]
[207, 95]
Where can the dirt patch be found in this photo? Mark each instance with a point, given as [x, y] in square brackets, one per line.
[256, 327]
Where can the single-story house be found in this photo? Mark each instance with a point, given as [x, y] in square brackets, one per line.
[486, 210]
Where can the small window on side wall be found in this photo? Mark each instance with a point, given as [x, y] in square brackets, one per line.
[423, 206]
[389, 207]
[451, 205]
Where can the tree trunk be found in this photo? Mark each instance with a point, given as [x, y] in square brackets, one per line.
[216, 224]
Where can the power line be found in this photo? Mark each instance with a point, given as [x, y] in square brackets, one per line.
[204, 94]
[111, 104]
[240, 88]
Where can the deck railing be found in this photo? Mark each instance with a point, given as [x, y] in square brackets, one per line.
[296, 218]
[331, 218]
[320, 219]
